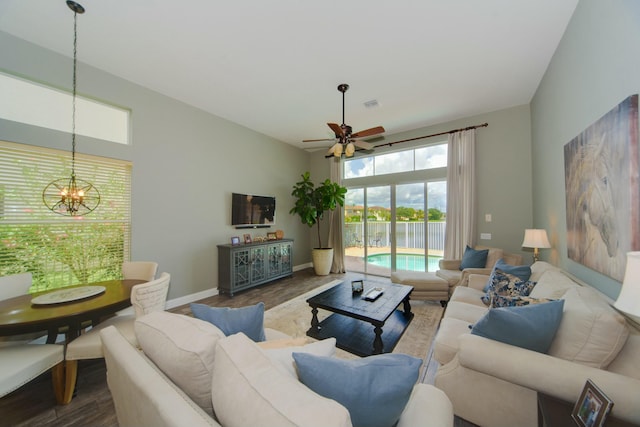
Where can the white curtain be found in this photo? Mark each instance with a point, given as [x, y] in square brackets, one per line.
[461, 194]
[336, 221]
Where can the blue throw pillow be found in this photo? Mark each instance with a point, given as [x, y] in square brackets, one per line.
[374, 389]
[474, 258]
[530, 326]
[248, 320]
[521, 271]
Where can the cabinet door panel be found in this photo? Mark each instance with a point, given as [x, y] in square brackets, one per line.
[241, 275]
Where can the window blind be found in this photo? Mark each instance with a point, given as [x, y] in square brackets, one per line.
[60, 250]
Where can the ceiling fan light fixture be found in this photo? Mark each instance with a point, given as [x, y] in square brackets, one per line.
[337, 151]
[349, 150]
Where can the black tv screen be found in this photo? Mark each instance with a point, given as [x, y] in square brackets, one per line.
[250, 211]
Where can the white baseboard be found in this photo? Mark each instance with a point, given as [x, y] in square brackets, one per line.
[176, 302]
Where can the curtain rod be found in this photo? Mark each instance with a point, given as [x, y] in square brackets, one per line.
[389, 144]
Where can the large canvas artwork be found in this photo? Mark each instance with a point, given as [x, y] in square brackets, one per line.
[602, 191]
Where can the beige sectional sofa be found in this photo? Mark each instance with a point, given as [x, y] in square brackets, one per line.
[199, 377]
[494, 384]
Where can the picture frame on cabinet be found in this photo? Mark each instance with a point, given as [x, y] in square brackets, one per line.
[247, 238]
[235, 240]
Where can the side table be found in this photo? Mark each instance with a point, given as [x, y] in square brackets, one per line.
[554, 412]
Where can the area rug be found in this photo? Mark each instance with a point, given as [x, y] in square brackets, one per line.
[293, 317]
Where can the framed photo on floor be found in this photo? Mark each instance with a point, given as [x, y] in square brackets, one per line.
[592, 407]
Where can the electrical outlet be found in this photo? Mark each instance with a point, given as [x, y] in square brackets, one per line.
[485, 236]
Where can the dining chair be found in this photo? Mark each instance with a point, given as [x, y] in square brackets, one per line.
[141, 270]
[12, 286]
[19, 364]
[145, 298]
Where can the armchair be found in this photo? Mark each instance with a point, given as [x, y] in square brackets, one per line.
[450, 268]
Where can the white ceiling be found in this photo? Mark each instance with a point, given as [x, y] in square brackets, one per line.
[273, 66]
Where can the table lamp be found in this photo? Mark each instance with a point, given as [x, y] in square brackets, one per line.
[536, 239]
[629, 299]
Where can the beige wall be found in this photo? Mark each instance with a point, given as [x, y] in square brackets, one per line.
[595, 67]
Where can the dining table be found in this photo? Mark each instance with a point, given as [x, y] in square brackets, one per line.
[65, 310]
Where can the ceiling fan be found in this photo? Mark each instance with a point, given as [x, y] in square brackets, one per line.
[346, 140]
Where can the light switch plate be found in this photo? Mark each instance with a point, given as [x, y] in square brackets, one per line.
[487, 217]
[485, 236]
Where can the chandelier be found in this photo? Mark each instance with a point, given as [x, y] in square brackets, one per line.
[72, 196]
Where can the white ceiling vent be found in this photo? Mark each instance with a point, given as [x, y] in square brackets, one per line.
[372, 104]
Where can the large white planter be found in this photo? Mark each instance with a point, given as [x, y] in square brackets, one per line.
[322, 260]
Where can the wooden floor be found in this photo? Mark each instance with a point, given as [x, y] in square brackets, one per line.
[33, 404]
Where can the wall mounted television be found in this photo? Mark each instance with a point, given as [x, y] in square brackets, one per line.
[251, 211]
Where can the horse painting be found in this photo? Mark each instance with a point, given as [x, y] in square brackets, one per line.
[601, 183]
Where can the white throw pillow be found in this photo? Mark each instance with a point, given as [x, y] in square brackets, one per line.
[183, 348]
[283, 359]
[591, 332]
[248, 390]
[552, 285]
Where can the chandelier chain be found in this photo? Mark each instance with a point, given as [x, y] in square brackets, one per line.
[73, 114]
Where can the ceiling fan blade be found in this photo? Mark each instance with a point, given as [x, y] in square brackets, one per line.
[364, 145]
[336, 129]
[368, 132]
[318, 140]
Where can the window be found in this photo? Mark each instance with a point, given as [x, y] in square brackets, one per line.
[59, 250]
[429, 157]
[43, 106]
[395, 210]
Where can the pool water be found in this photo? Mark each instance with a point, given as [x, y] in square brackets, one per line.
[411, 262]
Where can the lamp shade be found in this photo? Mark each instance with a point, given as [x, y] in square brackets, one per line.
[629, 299]
[535, 238]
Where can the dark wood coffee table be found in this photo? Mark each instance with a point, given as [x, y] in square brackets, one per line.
[352, 319]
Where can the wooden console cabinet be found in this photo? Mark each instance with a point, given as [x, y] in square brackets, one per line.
[247, 265]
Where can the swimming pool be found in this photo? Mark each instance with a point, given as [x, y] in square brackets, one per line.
[412, 262]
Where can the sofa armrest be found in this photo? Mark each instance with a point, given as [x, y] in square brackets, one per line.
[550, 375]
[478, 281]
[427, 406]
[464, 280]
[449, 264]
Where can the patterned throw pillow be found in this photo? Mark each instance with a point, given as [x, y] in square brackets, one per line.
[515, 301]
[507, 284]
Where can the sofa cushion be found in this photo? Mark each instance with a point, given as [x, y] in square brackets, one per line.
[248, 320]
[248, 390]
[552, 284]
[467, 295]
[523, 272]
[283, 359]
[374, 389]
[474, 258]
[502, 283]
[493, 256]
[183, 349]
[591, 332]
[532, 326]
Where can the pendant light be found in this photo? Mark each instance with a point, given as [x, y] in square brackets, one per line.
[72, 196]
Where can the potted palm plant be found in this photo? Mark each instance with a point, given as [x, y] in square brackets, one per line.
[311, 204]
